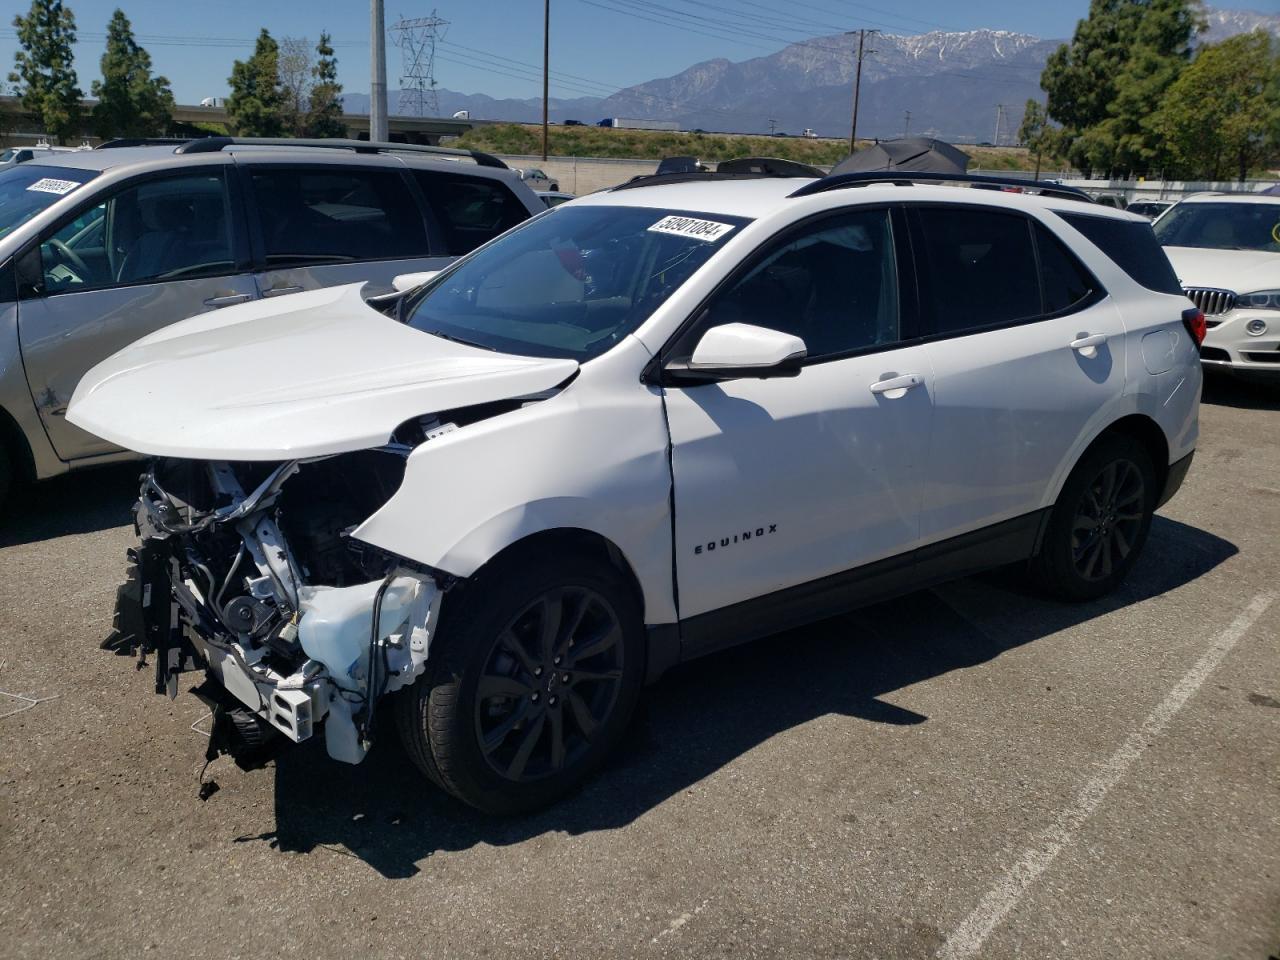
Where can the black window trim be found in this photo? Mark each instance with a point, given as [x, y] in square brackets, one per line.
[258, 246]
[438, 233]
[239, 234]
[908, 292]
[930, 333]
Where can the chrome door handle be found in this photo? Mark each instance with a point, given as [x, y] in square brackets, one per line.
[228, 300]
[1088, 346]
[899, 384]
[281, 291]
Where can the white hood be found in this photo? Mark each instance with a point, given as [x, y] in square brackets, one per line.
[305, 375]
[1244, 271]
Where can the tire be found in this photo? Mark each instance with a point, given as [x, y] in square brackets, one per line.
[482, 722]
[1100, 522]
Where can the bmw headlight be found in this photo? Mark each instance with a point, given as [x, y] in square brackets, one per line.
[1262, 300]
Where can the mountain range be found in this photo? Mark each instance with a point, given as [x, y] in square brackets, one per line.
[944, 84]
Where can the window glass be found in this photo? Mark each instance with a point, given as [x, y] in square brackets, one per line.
[470, 210]
[1132, 246]
[335, 215]
[171, 229]
[981, 268]
[1065, 280]
[1224, 225]
[28, 188]
[570, 283]
[835, 286]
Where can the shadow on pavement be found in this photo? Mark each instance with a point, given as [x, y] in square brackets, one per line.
[702, 716]
[1228, 390]
[83, 502]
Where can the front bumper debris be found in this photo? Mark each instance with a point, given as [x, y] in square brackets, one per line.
[220, 590]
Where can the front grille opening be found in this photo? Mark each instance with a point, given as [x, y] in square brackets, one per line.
[1272, 357]
[1211, 300]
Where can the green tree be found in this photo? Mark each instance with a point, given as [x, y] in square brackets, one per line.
[324, 116]
[1106, 83]
[43, 75]
[1035, 132]
[256, 105]
[131, 102]
[1224, 111]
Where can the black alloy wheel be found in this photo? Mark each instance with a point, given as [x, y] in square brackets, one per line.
[551, 680]
[1108, 520]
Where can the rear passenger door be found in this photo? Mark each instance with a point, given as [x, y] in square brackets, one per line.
[321, 225]
[1027, 351]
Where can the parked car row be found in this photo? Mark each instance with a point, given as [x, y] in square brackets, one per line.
[654, 422]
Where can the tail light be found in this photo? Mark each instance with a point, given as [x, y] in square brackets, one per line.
[1193, 320]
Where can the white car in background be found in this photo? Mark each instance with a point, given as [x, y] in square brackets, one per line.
[1225, 249]
[665, 419]
[536, 180]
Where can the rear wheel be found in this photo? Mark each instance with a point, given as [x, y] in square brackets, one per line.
[537, 671]
[1100, 522]
[6, 477]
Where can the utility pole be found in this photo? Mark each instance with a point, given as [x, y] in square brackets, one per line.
[999, 117]
[906, 123]
[546, 68]
[378, 82]
[857, 83]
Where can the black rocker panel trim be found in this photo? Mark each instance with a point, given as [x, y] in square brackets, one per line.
[1007, 542]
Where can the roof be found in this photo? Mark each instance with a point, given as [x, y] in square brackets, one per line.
[1231, 198]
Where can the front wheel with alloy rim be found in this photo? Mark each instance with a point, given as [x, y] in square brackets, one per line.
[537, 669]
[1100, 522]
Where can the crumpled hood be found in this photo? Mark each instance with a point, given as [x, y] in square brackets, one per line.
[304, 375]
[1243, 271]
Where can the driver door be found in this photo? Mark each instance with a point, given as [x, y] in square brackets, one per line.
[795, 481]
[150, 254]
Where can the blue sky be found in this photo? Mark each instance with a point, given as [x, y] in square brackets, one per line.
[494, 46]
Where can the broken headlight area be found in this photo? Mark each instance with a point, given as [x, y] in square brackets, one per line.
[248, 571]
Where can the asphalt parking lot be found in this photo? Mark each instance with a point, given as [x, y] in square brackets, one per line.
[966, 772]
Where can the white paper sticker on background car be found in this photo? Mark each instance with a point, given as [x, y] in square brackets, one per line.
[707, 230]
[49, 185]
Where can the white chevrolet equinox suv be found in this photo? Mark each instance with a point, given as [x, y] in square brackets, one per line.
[643, 426]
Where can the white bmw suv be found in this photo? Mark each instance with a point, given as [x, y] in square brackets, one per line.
[1225, 249]
[664, 419]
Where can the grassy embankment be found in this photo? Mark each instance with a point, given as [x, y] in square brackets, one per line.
[526, 140]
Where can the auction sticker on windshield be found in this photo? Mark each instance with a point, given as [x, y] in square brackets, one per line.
[707, 230]
[50, 185]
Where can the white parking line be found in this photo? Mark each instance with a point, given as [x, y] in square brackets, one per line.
[968, 938]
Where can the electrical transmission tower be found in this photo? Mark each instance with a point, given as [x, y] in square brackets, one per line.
[417, 38]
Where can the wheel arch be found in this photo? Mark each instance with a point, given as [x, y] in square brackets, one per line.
[15, 445]
[1136, 425]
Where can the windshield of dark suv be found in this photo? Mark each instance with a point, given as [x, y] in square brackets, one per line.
[28, 188]
[571, 282]
[1222, 226]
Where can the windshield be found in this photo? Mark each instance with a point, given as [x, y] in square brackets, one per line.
[28, 188]
[570, 283]
[1223, 226]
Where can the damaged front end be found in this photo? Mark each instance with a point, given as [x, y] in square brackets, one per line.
[248, 571]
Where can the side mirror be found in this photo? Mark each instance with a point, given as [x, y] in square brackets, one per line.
[733, 351]
[408, 281]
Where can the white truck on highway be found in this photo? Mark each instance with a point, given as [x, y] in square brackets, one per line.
[622, 123]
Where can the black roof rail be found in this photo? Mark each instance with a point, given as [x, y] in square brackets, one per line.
[217, 144]
[141, 142]
[839, 181]
[741, 168]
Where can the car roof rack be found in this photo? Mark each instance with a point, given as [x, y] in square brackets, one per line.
[217, 144]
[141, 142]
[740, 168]
[841, 181]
